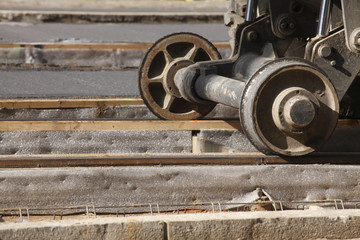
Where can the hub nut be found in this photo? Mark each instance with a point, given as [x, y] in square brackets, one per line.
[294, 109]
[299, 112]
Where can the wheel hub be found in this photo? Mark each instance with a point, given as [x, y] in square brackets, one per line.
[294, 109]
[289, 107]
[171, 70]
[299, 112]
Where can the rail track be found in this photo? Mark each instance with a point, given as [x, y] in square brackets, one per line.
[128, 159]
[158, 159]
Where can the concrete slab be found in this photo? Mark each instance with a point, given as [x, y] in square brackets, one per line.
[101, 228]
[338, 224]
[43, 84]
[124, 186]
[267, 225]
[77, 142]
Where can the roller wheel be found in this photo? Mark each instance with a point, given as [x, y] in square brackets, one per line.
[158, 69]
[289, 108]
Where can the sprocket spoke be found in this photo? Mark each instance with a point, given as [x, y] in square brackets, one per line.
[192, 53]
[168, 57]
[168, 101]
[158, 79]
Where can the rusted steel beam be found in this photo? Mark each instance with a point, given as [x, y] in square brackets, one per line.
[128, 159]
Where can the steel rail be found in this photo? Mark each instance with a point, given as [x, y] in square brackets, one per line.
[145, 159]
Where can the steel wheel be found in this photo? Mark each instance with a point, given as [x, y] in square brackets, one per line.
[158, 69]
[289, 108]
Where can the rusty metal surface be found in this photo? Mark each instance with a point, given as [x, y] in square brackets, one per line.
[183, 158]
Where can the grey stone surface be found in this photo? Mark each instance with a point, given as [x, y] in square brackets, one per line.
[40, 84]
[340, 224]
[56, 32]
[65, 58]
[119, 112]
[342, 141]
[269, 225]
[75, 142]
[116, 186]
[111, 228]
[235, 141]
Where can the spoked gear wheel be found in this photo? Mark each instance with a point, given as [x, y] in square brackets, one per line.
[289, 107]
[158, 69]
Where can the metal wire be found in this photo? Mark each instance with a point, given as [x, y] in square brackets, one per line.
[277, 205]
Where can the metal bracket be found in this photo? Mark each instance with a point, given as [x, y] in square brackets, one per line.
[351, 18]
[339, 63]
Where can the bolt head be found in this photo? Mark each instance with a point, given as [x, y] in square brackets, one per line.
[354, 40]
[252, 36]
[324, 51]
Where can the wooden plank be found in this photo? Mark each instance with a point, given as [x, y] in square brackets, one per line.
[118, 125]
[68, 103]
[150, 125]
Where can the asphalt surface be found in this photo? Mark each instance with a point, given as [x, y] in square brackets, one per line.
[116, 6]
[49, 84]
[52, 84]
[57, 32]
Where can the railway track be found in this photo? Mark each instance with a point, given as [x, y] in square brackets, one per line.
[117, 183]
[158, 159]
[128, 159]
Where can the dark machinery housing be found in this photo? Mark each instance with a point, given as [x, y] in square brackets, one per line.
[293, 62]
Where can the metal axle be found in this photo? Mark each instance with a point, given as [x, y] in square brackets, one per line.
[212, 87]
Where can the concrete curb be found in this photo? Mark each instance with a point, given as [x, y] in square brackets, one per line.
[340, 224]
[73, 56]
[104, 17]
